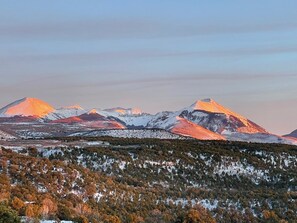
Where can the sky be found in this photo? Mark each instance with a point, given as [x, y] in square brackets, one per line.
[155, 55]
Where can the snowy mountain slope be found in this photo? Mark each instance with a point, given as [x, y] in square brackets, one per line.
[292, 134]
[27, 107]
[172, 122]
[163, 120]
[136, 120]
[92, 119]
[65, 112]
[132, 117]
[217, 118]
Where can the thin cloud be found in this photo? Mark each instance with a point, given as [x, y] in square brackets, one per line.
[129, 28]
[139, 54]
[175, 79]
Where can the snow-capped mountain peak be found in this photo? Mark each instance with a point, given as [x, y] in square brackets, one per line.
[27, 107]
[211, 106]
[93, 111]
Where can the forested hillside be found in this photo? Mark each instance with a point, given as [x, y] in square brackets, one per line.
[150, 180]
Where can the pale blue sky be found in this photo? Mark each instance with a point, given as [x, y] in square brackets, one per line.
[156, 55]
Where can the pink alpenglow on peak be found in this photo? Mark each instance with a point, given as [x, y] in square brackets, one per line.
[125, 111]
[27, 107]
[209, 105]
[93, 111]
[215, 117]
[187, 128]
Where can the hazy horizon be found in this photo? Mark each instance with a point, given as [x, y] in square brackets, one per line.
[153, 55]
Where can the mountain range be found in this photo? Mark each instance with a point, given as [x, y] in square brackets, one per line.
[205, 119]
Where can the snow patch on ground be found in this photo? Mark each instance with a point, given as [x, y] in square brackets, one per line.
[48, 152]
[210, 205]
[240, 168]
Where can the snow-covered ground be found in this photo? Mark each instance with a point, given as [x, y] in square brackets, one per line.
[210, 205]
[28, 134]
[131, 133]
[259, 138]
[237, 168]
[6, 136]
